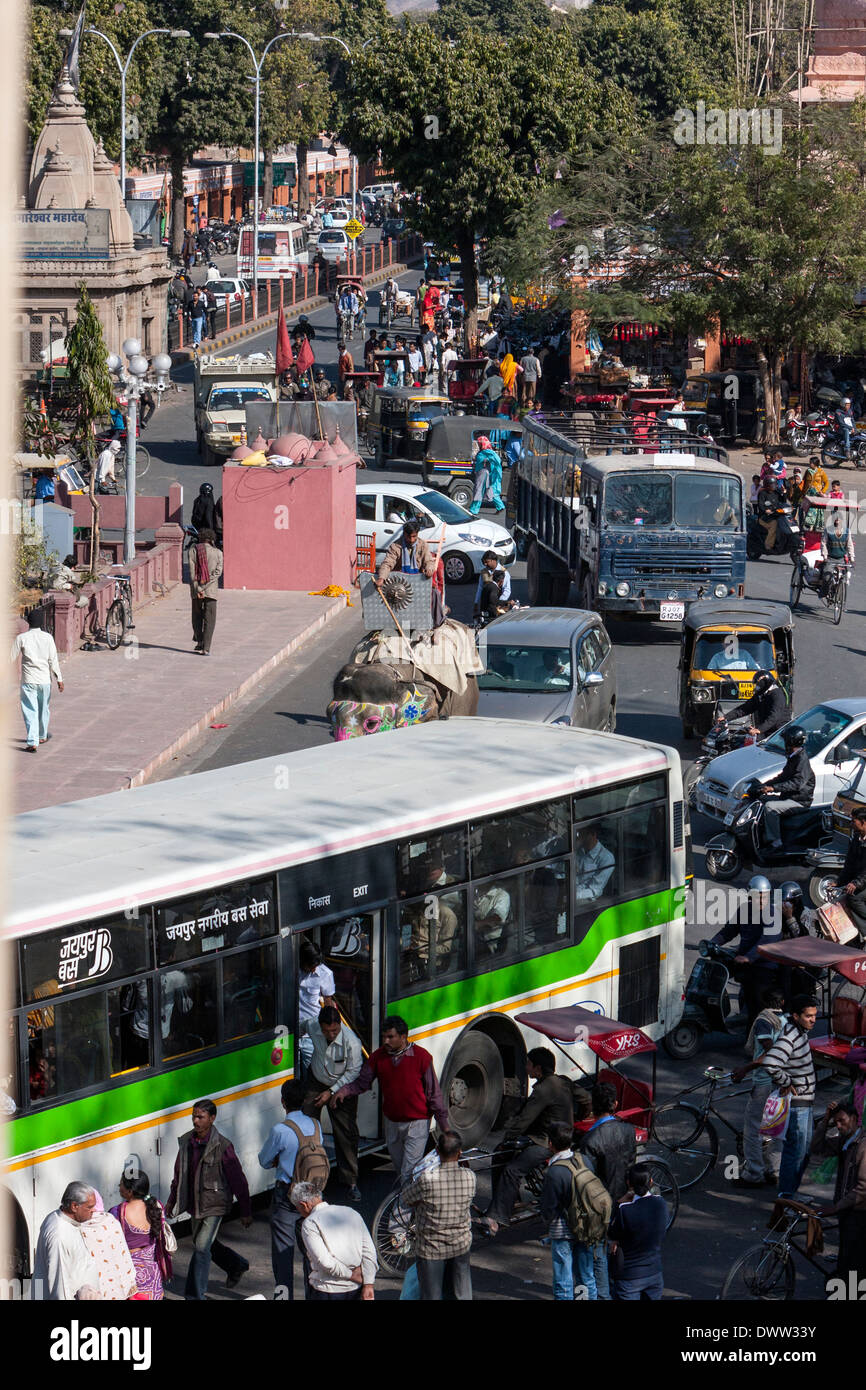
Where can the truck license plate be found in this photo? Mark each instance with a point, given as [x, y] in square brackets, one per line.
[672, 612]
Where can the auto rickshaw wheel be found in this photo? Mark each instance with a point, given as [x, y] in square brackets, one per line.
[683, 1041]
[462, 492]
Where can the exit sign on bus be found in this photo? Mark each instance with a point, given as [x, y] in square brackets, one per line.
[354, 228]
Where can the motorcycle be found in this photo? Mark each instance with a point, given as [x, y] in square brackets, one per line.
[720, 738]
[833, 450]
[826, 865]
[807, 434]
[708, 1005]
[743, 843]
[788, 539]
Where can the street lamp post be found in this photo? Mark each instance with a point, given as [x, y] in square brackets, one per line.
[132, 379]
[123, 69]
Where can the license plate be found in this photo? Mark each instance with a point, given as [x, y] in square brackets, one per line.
[729, 818]
[672, 612]
[745, 692]
[715, 801]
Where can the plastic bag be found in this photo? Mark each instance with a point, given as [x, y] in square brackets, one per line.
[774, 1120]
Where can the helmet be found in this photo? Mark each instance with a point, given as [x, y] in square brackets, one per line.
[791, 892]
[794, 737]
[763, 680]
[760, 884]
[206, 488]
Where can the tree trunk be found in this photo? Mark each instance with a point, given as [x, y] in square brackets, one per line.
[94, 520]
[469, 271]
[267, 189]
[302, 186]
[770, 372]
[178, 207]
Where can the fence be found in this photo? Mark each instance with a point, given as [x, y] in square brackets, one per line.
[293, 291]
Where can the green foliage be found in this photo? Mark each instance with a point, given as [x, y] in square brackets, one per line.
[501, 18]
[89, 379]
[32, 558]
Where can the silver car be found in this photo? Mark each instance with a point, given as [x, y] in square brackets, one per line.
[719, 790]
[551, 665]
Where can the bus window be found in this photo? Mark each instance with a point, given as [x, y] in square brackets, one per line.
[431, 862]
[644, 848]
[249, 992]
[233, 916]
[9, 1098]
[129, 1026]
[595, 862]
[188, 1009]
[507, 841]
[545, 905]
[590, 805]
[432, 937]
[69, 1052]
[81, 956]
[496, 911]
[346, 950]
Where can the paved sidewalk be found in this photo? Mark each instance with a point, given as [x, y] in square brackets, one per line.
[125, 713]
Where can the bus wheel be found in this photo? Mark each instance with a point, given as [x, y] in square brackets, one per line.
[473, 1086]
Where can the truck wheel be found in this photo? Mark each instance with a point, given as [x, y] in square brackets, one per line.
[473, 1086]
[587, 597]
[560, 587]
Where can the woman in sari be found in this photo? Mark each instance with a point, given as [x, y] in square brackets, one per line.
[103, 1237]
[143, 1225]
[509, 370]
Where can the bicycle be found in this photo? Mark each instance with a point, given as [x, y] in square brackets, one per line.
[767, 1272]
[393, 1227]
[832, 590]
[688, 1134]
[118, 619]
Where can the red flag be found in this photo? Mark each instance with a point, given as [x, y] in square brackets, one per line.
[305, 356]
[285, 356]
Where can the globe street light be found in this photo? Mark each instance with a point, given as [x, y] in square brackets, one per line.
[133, 379]
[123, 68]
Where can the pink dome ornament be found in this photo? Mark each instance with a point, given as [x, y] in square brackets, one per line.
[241, 452]
[259, 445]
[287, 444]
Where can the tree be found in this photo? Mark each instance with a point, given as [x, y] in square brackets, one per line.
[476, 128]
[508, 19]
[92, 392]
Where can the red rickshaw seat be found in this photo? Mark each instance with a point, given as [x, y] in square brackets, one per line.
[629, 1093]
[846, 1018]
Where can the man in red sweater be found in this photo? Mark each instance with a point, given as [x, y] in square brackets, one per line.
[410, 1094]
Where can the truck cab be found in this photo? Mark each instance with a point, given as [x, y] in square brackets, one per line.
[224, 387]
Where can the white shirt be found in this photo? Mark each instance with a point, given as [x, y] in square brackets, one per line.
[337, 1242]
[38, 657]
[594, 868]
[317, 985]
[212, 274]
[448, 356]
[63, 1264]
[105, 465]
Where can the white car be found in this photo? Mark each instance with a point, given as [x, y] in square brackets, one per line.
[232, 290]
[333, 244]
[381, 509]
[718, 791]
[341, 213]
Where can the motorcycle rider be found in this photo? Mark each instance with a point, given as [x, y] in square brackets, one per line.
[768, 704]
[843, 418]
[794, 786]
[754, 921]
[852, 878]
[837, 548]
[347, 304]
[767, 503]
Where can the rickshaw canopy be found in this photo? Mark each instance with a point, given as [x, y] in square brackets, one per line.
[452, 437]
[709, 612]
[820, 955]
[606, 1037]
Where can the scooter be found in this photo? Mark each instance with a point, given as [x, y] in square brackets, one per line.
[720, 738]
[789, 540]
[709, 1006]
[743, 844]
[833, 449]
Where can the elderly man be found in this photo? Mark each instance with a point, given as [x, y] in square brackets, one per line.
[64, 1268]
[342, 1256]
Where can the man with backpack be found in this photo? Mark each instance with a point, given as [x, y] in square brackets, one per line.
[294, 1147]
[576, 1208]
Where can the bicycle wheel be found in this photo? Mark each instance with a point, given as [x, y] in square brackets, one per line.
[796, 587]
[766, 1273]
[142, 461]
[115, 624]
[394, 1234]
[690, 1142]
[664, 1184]
[839, 600]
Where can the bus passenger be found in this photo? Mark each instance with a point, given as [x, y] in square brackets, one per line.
[492, 911]
[594, 866]
[315, 989]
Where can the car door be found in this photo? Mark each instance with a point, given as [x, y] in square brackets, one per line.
[365, 515]
[589, 663]
[578, 708]
[831, 777]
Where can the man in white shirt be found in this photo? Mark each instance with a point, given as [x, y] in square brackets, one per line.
[38, 664]
[336, 1061]
[316, 988]
[64, 1268]
[492, 911]
[342, 1256]
[105, 465]
[594, 865]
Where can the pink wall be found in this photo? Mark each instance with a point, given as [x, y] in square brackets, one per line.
[150, 512]
[289, 528]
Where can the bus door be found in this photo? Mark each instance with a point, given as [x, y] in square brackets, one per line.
[352, 950]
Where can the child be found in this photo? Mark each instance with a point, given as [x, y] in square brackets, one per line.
[836, 489]
[493, 594]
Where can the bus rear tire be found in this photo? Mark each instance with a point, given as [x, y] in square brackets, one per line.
[473, 1086]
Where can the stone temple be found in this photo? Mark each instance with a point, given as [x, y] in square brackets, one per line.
[837, 69]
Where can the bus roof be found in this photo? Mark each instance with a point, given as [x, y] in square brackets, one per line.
[92, 858]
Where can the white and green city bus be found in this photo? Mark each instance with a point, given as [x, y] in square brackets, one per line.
[445, 872]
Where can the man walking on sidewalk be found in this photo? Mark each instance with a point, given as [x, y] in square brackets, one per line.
[38, 664]
[409, 1090]
[207, 1173]
[205, 568]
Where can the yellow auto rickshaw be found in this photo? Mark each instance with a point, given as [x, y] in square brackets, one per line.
[399, 420]
[725, 644]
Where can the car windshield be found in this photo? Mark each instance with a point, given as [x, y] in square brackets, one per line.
[443, 507]
[332, 236]
[638, 499]
[224, 287]
[236, 397]
[820, 725]
[700, 499]
[530, 669]
[734, 651]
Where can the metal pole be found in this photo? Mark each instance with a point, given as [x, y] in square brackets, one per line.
[123, 130]
[256, 198]
[129, 523]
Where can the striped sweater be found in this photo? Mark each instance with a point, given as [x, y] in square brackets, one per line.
[789, 1062]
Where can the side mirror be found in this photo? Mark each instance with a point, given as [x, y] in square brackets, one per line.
[840, 754]
[594, 678]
